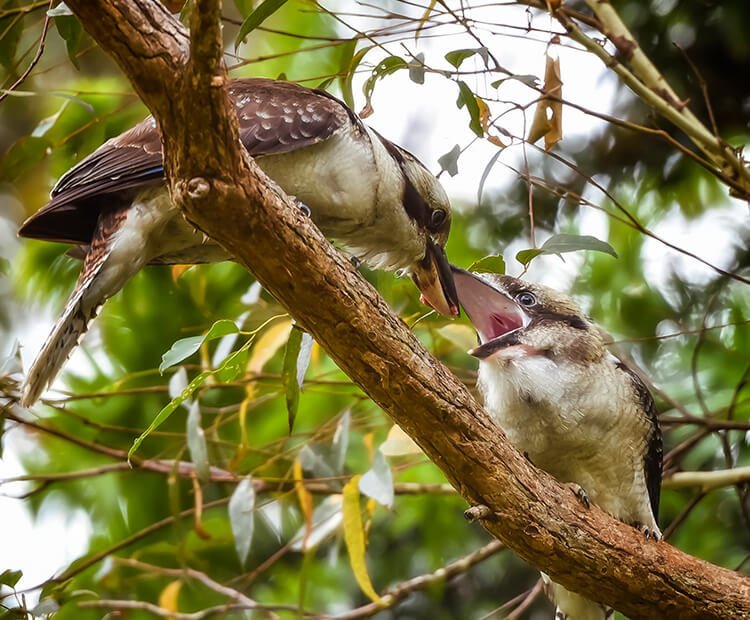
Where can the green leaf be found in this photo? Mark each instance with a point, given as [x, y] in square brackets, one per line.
[456, 57]
[467, 98]
[185, 347]
[196, 441]
[416, 69]
[524, 256]
[10, 577]
[4, 266]
[449, 161]
[348, 73]
[562, 243]
[385, 67]
[168, 410]
[489, 264]
[257, 17]
[69, 28]
[289, 374]
[559, 244]
[11, 29]
[230, 371]
[242, 517]
[244, 7]
[531, 81]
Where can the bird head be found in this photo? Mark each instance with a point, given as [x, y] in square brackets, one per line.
[428, 209]
[516, 319]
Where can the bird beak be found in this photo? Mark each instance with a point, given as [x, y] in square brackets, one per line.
[496, 317]
[434, 279]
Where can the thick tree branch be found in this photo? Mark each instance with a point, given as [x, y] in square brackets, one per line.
[224, 194]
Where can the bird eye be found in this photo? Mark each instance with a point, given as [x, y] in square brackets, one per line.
[526, 299]
[437, 218]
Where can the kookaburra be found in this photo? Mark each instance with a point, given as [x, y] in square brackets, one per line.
[361, 189]
[564, 401]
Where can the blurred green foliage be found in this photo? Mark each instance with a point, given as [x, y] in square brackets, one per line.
[654, 309]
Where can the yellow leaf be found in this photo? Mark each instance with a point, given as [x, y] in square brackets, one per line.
[547, 121]
[484, 114]
[398, 443]
[305, 500]
[368, 441]
[267, 345]
[354, 537]
[178, 270]
[168, 596]
[425, 17]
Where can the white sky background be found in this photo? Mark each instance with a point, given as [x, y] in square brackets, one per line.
[425, 120]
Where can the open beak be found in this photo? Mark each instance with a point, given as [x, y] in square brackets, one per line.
[434, 279]
[496, 317]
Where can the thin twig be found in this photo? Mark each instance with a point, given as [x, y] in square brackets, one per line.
[36, 58]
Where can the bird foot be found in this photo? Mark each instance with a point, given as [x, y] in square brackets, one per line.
[647, 531]
[480, 511]
[354, 260]
[580, 494]
[303, 207]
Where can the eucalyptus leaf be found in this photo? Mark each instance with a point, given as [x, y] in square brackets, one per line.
[489, 264]
[377, 483]
[467, 98]
[486, 174]
[196, 441]
[303, 357]
[384, 67]
[318, 460]
[70, 29]
[416, 69]
[449, 161]
[168, 410]
[289, 374]
[340, 442]
[563, 243]
[242, 517]
[457, 57]
[178, 382]
[256, 18]
[185, 347]
[10, 577]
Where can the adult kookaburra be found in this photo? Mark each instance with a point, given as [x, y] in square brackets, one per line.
[360, 189]
[569, 405]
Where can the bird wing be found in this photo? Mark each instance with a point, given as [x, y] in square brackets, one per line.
[652, 461]
[274, 117]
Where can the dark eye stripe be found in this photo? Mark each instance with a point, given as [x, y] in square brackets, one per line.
[576, 322]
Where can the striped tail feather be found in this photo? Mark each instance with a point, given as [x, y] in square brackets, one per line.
[104, 273]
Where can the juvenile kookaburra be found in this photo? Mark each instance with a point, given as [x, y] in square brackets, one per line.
[360, 189]
[563, 400]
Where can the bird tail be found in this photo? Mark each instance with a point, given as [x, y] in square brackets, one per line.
[572, 606]
[104, 272]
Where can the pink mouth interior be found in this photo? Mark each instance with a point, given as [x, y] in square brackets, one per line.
[491, 311]
[499, 324]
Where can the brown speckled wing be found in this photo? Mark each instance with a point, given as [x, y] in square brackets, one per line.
[274, 117]
[652, 461]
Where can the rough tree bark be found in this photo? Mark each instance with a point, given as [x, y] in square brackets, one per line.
[222, 192]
